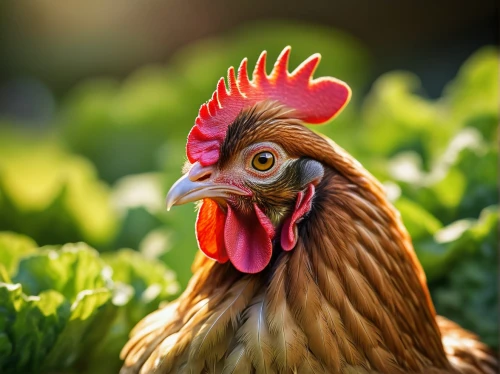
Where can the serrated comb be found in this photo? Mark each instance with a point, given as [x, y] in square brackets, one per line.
[314, 100]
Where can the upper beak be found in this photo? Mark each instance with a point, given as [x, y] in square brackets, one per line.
[196, 185]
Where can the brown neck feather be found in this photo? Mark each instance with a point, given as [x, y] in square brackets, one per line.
[360, 257]
[362, 260]
[351, 297]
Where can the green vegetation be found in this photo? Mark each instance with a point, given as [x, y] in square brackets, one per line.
[100, 175]
[60, 306]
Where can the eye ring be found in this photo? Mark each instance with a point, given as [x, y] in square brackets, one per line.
[263, 161]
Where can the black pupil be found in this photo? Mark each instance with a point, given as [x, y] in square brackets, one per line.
[263, 158]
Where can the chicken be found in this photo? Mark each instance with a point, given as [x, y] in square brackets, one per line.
[306, 266]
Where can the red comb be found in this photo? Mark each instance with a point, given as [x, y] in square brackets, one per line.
[314, 100]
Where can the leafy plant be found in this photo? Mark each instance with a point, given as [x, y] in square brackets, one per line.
[442, 172]
[63, 303]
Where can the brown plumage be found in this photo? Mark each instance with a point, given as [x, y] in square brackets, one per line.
[351, 297]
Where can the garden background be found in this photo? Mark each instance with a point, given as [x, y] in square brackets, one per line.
[95, 106]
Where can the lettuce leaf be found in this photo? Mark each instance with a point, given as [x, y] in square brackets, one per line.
[468, 289]
[13, 246]
[67, 304]
[29, 327]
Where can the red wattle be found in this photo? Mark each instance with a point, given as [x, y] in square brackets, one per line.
[210, 230]
[289, 235]
[248, 239]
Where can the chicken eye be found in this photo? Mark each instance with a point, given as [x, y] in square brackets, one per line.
[263, 161]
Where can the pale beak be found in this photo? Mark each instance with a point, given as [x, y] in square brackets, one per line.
[196, 184]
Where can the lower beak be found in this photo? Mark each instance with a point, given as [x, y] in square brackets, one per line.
[196, 185]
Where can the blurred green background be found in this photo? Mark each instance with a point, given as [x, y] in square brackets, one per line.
[95, 105]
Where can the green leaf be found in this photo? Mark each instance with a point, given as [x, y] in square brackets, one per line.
[29, 326]
[480, 168]
[462, 237]
[12, 247]
[468, 293]
[140, 285]
[419, 222]
[460, 183]
[87, 310]
[406, 119]
[151, 280]
[474, 92]
[73, 268]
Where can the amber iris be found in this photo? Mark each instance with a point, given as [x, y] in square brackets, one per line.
[263, 161]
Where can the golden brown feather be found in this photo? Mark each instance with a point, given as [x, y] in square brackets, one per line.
[351, 297]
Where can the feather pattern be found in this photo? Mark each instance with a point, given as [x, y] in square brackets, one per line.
[310, 365]
[227, 312]
[289, 339]
[305, 300]
[255, 335]
[351, 296]
[238, 362]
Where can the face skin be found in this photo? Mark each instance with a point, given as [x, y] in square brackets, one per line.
[261, 173]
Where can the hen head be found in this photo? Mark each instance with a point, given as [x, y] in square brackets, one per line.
[252, 162]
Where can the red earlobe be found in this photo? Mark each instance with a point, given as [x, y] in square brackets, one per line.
[210, 231]
[289, 234]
